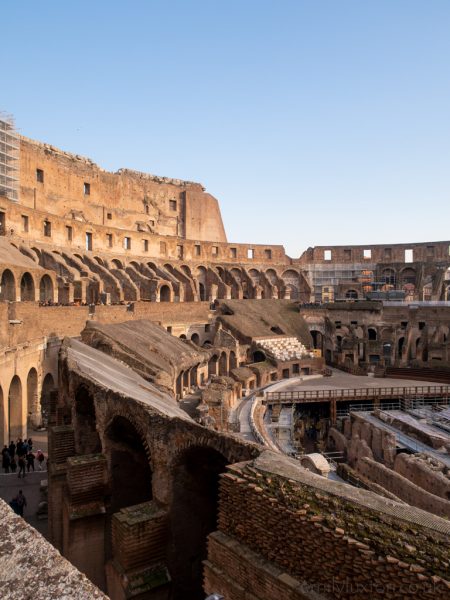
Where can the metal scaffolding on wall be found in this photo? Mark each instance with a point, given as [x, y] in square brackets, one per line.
[9, 158]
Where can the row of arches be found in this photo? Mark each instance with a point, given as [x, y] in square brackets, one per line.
[23, 406]
[26, 290]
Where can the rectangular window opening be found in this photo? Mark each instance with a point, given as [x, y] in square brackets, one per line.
[145, 245]
[88, 240]
[25, 223]
[198, 250]
[47, 229]
[109, 240]
[268, 254]
[173, 204]
[250, 253]
[233, 252]
[39, 175]
[367, 253]
[87, 189]
[69, 233]
[327, 255]
[127, 243]
[409, 256]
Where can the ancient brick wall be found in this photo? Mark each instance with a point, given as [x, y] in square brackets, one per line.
[339, 541]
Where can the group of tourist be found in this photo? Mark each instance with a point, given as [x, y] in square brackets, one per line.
[20, 455]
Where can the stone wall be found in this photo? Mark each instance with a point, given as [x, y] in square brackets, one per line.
[326, 538]
[46, 575]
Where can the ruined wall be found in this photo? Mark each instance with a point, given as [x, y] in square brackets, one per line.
[379, 253]
[122, 199]
[321, 538]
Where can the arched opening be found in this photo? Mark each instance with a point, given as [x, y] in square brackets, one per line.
[99, 260]
[46, 289]
[27, 293]
[258, 356]
[48, 389]
[195, 338]
[351, 294]
[3, 438]
[201, 289]
[129, 464]
[195, 486]
[117, 263]
[372, 334]
[408, 276]
[223, 368]
[401, 343]
[212, 365]
[87, 438]
[15, 428]
[232, 360]
[389, 276]
[179, 386]
[317, 339]
[8, 286]
[164, 293]
[32, 396]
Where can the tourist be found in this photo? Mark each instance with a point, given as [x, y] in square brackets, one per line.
[20, 502]
[13, 464]
[40, 458]
[6, 460]
[21, 466]
[25, 447]
[30, 461]
[30, 444]
[12, 449]
[19, 447]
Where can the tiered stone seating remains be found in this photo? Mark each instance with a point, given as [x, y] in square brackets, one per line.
[284, 348]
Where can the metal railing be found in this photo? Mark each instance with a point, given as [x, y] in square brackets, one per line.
[375, 394]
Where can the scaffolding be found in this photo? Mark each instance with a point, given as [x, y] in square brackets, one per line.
[9, 158]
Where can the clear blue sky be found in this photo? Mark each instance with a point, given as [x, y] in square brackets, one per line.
[313, 122]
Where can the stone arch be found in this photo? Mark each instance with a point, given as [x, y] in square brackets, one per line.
[186, 270]
[32, 397]
[46, 289]
[195, 472]
[202, 291]
[195, 338]
[117, 264]
[8, 286]
[86, 434]
[99, 260]
[223, 364]
[212, 365]
[351, 294]
[16, 425]
[408, 276]
[27, 289]
[165, 293]
[317, 338]
[400, 346]
[258, 356]
[272, 276]
[129, 462]
[372, 334]
[48, 388]
[232, 360]
[388, 276]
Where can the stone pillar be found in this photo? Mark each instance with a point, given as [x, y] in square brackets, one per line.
[61, 445]
[84, 515]
[138, 567]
